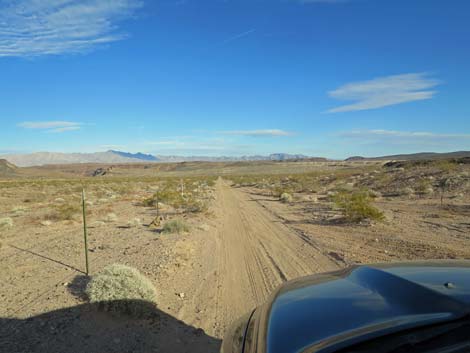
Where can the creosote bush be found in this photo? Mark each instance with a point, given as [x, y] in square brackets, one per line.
[285, 197]
[357, 206]
[175, 226]
[122, 289]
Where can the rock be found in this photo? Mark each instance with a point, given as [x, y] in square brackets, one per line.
[98, 224]
[46, 223]
[204, 227]
[181, 295]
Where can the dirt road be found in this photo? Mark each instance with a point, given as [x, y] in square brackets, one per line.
[246, 256]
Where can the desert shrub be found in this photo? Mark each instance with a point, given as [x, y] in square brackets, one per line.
[357, 206]
[175, 226]
[187, 202]
[285, 197]
[194, 205]
[406, 191]
[424, 187]
[149, 201]
[121, 289]
[64, 212]
[167, 195]
[278, 190]
[446, 166]
[6, 223]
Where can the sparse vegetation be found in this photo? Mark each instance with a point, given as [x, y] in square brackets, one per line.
[175, 226]
[123, 290]
[424, 187]
[285, 197]
[19, 210]
[64, 212]
[174, 195]
[6, 223]
[357, 206]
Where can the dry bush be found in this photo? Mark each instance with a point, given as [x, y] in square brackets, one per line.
[175, 226]
[424, 187]
[356, 206]
[121, 289]
[285, 197]
[64, 213]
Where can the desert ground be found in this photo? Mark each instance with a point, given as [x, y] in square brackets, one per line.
[248, 227]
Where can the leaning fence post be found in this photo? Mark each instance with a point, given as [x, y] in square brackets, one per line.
[158, 208]
[85, 231]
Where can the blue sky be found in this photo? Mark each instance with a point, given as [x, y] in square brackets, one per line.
[330, 78]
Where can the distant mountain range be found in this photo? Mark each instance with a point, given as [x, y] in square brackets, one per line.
[141, 156]
[119, 157]
[414, 156]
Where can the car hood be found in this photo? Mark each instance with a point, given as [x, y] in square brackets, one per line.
[324, 313]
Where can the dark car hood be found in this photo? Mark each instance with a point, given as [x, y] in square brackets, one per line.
[323, 313]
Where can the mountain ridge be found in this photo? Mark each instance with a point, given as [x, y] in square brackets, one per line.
[413, 156]
[112, 156]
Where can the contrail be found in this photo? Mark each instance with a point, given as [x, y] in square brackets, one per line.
[238, 36]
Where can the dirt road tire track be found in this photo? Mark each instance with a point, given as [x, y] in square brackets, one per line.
[254, 253]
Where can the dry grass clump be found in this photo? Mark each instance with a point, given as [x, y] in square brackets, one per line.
[122, 289]
[285, 197]
[6, 223]
[19, 210]
[175, 226]
[64, 213]
[357, 206]
[424, 187]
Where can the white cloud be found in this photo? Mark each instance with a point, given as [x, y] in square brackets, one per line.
[403, 137]
[256, 133]
[42, 27]
[51, 126]
[384, 91]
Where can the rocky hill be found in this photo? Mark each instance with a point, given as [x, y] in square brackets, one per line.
[6, 168]
[414, 156]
